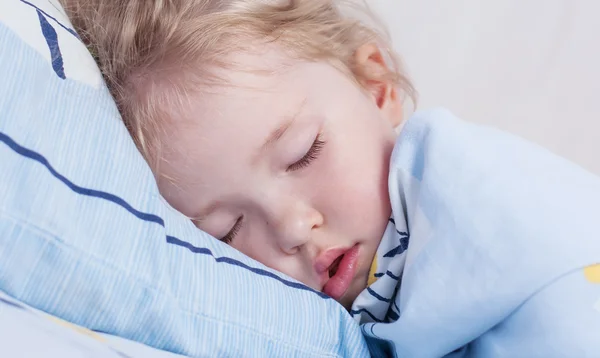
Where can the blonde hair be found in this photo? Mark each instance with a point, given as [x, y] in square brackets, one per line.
[152, 52]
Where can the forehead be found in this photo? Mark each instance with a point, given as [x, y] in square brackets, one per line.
[245, 110]
[225, 123]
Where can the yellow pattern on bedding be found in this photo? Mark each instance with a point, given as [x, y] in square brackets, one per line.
[592, 273]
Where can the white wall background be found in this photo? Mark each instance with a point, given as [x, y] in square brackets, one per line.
[531, 67]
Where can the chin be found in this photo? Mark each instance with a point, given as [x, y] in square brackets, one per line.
[348, 299]
[346, 302]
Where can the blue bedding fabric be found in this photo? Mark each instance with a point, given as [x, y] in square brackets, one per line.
[86, 237]
[26, 332]
[494, 249]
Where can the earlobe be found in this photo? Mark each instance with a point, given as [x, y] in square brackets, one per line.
[373, 70]
[393, 106]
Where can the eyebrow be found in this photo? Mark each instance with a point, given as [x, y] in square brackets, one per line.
[281, 130]
[202, 215]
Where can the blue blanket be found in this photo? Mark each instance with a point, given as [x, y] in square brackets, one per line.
[504, 247]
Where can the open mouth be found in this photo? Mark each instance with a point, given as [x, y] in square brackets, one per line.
[335, 265]
[341, 272]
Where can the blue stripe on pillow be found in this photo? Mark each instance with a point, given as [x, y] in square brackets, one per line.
[28, 153]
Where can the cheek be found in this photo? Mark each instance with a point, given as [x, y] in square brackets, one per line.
[270, 256]
[362, 197]
[354, 186]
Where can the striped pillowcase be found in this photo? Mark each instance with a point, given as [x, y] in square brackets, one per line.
[85, 235]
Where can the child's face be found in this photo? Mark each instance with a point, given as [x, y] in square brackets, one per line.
[291, 169]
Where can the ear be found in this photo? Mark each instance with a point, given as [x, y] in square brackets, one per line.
[371, 64]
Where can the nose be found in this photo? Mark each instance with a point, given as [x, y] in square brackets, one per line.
[295, 224]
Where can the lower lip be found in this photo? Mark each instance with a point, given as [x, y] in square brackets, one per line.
[337, 285]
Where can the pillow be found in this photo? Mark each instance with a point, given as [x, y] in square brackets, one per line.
[21, 325]
[85, 235]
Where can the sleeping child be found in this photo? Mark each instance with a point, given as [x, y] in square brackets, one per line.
[271, 124]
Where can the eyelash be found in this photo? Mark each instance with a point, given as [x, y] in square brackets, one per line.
[312, 154]
[309, 157]
[234, 231]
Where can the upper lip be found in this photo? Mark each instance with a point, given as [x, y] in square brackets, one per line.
[326, 258]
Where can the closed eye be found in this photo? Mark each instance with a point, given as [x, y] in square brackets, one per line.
[310, 156]
[234, 231]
